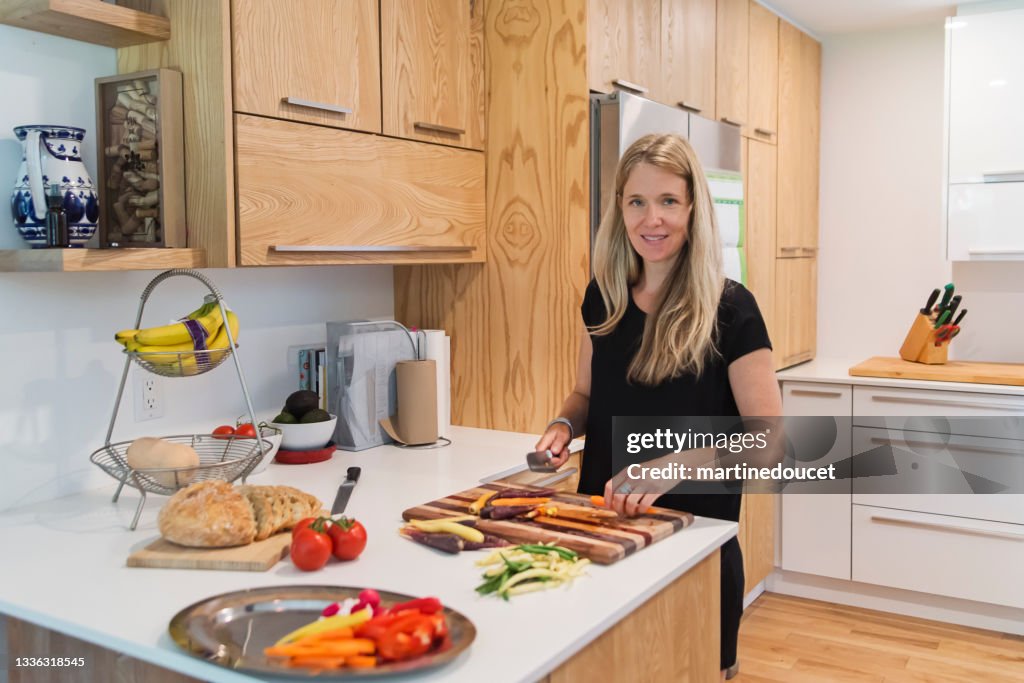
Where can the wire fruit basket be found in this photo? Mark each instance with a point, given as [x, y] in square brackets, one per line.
[179, 363]
[221, 457]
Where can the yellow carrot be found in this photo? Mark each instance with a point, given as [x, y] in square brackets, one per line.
[328, 624]
[480, 502]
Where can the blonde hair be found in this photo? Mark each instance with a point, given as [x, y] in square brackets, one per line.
[679, 333]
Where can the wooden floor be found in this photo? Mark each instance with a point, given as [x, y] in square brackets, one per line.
[792, 640]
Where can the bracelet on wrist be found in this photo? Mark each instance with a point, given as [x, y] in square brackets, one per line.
[565, 421]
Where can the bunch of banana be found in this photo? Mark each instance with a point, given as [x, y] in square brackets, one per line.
[173, 344]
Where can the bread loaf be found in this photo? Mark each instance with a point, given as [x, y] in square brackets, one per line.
[146, 453]
[211, 514]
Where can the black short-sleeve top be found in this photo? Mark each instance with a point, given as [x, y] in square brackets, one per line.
[740, 329]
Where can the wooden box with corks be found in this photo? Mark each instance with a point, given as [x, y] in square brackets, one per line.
[141, 159]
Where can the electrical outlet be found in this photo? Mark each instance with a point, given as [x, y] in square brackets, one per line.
[149, 397]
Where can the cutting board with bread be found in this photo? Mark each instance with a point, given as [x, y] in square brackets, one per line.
[214, 525]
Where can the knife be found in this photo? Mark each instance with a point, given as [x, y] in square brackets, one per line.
[943, 317]
[960, 317]
[345, 490]
[927, 310]
[946, 296]
[954, 304]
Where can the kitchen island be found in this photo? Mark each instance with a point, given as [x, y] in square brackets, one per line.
[652, 616]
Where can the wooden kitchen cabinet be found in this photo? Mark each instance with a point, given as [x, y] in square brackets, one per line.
[432, 83]
[763, 69]
[326, 69]
[796, 301]
[799, 142]
[761, 186]
[731, 62]
[688, 55]
[311, 195]
[623, 46]
[756, 536]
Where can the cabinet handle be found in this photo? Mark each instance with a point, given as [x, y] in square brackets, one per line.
[816, 392]
[945, 526]
[438, 128]
[635, 87]
[690, 107]
[369, 248]
[1002, 176]
[764, 131]
[316, 105]
[940, 402]
[999, 253]
[789, 250]
[731, 122]
[953, 447]
[810, 251]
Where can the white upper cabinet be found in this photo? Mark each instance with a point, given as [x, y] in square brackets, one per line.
[986, 97]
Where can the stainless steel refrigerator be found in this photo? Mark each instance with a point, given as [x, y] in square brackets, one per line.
[620, 118]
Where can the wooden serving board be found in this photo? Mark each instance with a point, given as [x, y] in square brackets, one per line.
[602, 542]
[255, 557]
[951, 371]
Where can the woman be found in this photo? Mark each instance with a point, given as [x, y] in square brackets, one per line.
[667, 334]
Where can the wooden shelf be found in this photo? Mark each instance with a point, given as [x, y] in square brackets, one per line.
[93, 260]
[92, 21]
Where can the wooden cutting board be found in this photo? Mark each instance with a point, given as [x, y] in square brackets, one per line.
[601, 542]
[255, 557]
[951, 371]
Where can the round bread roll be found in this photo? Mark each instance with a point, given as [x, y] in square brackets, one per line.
[147, 453]
[208, 514]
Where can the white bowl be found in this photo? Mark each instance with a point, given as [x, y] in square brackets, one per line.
[306, 437]
[274, 436]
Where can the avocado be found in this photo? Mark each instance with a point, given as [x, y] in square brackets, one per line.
[285, 418]
[301, 402]
[315, 415]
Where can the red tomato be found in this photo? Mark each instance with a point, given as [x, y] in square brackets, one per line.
[224, 431]
[304, 524]
[246, 430]
[310, 550]
[348, 538]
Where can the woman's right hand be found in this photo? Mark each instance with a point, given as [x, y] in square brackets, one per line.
[556, 440]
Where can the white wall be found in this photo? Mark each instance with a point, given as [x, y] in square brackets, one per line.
[882, 226]
[59, 364]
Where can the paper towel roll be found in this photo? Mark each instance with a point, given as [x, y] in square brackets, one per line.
[436, 350]
[416, 420]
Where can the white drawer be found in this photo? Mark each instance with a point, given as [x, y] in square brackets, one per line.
[992, 415]
[964, 476]
[816, 399]
[938, 554]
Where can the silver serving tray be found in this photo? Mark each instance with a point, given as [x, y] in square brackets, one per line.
[232, 630]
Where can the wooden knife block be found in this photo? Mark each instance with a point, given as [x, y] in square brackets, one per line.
[919, 346]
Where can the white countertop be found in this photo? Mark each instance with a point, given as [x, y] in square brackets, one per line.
[837, 370]
[64, 565]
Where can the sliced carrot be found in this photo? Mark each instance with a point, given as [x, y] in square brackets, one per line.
[597, 500]
[361, 661]
[329, 648]
[520, 501]
[317, 662]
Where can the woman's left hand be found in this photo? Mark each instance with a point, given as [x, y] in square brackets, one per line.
[620, 495]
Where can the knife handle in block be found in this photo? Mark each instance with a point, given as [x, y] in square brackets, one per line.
[918, 337]
[932, 354]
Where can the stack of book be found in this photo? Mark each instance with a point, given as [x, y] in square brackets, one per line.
[313, 373]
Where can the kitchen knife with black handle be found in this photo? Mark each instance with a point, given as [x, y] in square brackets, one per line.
[345, 490]
[960, 317]
[932, 298]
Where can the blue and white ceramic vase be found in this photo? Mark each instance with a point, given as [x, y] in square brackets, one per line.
[52, 154]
